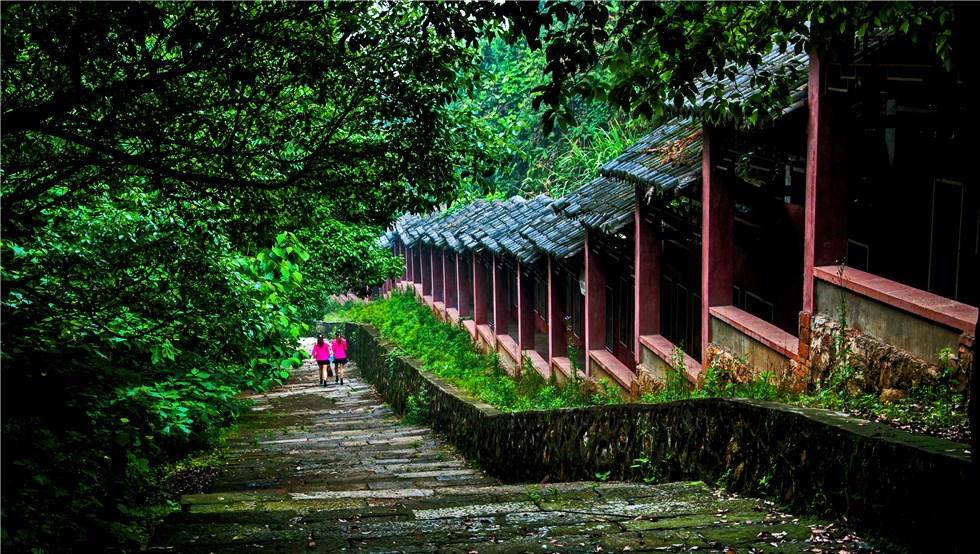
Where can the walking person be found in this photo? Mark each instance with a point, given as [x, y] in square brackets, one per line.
[339, 346]
[322, 354]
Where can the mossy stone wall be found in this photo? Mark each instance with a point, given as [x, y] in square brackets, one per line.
[909, 489]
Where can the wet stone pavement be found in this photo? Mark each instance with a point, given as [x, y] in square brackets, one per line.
[333, 469]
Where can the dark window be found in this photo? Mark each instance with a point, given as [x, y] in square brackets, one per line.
[464, 281]
[682, 312]
[858, 255]
[758, 307]
[695, 348]
[667, 309]
[610, 318]
[488, 274]
[541, 298]
[626, 314]
[569, 311]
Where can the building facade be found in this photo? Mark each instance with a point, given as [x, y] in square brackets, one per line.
[844, 233]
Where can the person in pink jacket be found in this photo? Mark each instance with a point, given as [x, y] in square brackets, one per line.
[322, 354]
[339, 346]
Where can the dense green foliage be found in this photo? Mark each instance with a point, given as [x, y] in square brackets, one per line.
[184, 185]
[649, 58]
[531, 161]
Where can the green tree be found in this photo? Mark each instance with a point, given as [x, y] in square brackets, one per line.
[171, 173]
[530, 161]
[646, 57]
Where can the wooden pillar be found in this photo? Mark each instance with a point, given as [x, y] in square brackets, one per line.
[717, 243]
[525, 308]
[646, 282]
[557, 333]
[595, 301]
[501, 311]
[464, 283]
[480, 299]
[825, 227]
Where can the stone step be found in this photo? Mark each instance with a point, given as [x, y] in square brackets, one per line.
[332, 469]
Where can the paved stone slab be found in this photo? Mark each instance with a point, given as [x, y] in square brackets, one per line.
[332, 469]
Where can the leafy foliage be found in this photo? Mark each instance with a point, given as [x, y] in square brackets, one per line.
[178, 178]
[530, 161]
[647, 58]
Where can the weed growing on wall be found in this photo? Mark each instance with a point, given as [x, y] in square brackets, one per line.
[833, 391]
[675, 385]
[654, 470]
[417, 408]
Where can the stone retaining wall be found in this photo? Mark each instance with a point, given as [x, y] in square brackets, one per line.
[909, 489]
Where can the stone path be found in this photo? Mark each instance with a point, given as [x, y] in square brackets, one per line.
[332, 469]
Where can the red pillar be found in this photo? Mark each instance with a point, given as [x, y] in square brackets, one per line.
[557, 338]
[595, 301]
[825, 227]
[717, 244]
[646, 282]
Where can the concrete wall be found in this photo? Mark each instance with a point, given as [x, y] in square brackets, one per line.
[657, 366]
[907, 488]
[906, 331]
[890, 348]
[748, 350]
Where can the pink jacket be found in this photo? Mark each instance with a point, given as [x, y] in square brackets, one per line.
[321, 352]
[339, 348]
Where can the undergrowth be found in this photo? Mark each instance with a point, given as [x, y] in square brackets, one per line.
[448, 351]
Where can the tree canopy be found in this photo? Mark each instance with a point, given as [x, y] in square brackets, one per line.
[184, 184]
[656, 56]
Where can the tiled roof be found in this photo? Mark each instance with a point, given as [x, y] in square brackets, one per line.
[602, 204]
[664, 162]
[743, 90]
[668, 158]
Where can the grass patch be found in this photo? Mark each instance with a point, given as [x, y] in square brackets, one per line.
[448, 351]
